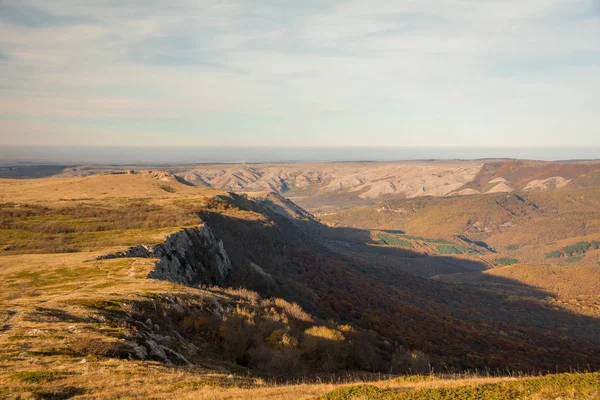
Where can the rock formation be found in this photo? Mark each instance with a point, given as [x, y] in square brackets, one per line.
[191, 257]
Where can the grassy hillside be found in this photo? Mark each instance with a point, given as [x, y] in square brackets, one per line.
[315, 302]
[564, 386]
[525, 226]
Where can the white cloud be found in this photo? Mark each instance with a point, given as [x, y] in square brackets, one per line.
[442, 71]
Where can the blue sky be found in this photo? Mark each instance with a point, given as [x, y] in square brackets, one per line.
[300, 73]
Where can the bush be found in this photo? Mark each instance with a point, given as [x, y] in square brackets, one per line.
[411, 362]
[554, 254]
[283, 361]
[238, 337]
[293, 310]
[577, 248]
[506, 261]
[324, 348]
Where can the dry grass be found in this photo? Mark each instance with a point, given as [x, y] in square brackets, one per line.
[55, 341]
[51, 345]
[130, 379]
[566, 282]
[52, 191]
[54, 344]
[62, 215]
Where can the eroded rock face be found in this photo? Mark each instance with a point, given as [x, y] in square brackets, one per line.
[191, 257]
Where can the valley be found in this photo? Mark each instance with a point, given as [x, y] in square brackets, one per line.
[226, 282]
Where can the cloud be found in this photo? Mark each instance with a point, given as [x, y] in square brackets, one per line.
[450, 72]
[36, 18]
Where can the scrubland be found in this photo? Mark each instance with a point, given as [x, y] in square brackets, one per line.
[326, 325]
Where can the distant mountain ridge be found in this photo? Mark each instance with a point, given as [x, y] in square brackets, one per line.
[314, 185]
[318, 187]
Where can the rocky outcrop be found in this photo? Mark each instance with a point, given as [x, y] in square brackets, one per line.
[191, 257]
[135, 251]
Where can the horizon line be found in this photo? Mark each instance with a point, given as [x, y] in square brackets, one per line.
[297, 147]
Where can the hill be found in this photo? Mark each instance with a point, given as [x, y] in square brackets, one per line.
[322, 185]
[522, 225]
[81, 316]
[130, 184]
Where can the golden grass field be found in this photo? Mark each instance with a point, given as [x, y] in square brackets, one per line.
[48, 306]
[36, 360]
[53, 333]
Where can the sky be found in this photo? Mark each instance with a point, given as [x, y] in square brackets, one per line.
[152, 73]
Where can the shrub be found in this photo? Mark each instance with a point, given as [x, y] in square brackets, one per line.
[293, 310]
[364, 352]
[324, 348]
[280, 339]
[283, 361]
[506, 261]
[577, 248]
[325, 333]
[238, 337]
[411, 362]
[554, 254]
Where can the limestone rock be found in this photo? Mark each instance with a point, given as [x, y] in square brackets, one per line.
[192, 257]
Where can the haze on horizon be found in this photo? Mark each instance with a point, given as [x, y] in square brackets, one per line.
[69, 155]
[489, 74]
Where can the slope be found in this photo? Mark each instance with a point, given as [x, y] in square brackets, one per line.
[457, 327]
[395, 318]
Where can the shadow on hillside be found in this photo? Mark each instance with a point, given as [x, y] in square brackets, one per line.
[337, 273]
[498, 284]
[358, 243]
